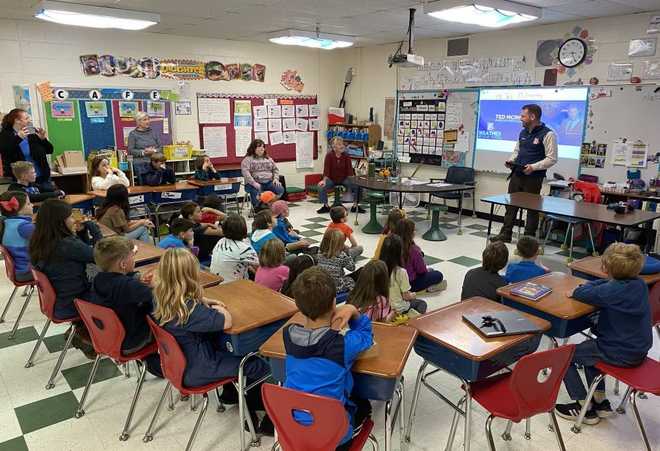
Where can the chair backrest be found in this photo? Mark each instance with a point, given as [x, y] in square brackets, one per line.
[104, 327]
[459, 175]
[172, 359]
[46, 293]
[329, 419]
[654, 301]
[534, 391]
[9, 264]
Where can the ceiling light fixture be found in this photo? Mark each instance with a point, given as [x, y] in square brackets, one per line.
[94, 16]
[485, 13]
[316, 40]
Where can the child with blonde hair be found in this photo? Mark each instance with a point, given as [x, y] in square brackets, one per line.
[272, 271]
[334, 259]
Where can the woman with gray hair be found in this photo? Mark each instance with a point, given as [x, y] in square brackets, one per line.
[143, 141]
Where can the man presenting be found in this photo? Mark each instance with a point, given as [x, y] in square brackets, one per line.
[535, 152]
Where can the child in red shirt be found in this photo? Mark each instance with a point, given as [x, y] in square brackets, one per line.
[339, 216]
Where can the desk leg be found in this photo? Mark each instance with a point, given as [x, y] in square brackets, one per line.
[468, 415]
[490, 221]
[393, 410]
[413, 407]
[460, 213]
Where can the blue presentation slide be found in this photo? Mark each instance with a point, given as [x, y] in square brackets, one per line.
[564, 111]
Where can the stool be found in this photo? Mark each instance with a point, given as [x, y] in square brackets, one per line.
[374, 227]
[434, 233]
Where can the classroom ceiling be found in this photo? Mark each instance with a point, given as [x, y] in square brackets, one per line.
[367, 21]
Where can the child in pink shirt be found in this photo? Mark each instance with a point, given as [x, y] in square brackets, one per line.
[371, 292]
[272, 272]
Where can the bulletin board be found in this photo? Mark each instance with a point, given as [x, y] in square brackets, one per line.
[229, 122]
[80, 122]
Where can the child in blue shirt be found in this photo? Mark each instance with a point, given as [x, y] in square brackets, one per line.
[527, 267]
[319, 357]
[204, 169]
[623, 331]
[26, 177]
[181, 235]
[18, 227]
[284, 231]
[262, 229]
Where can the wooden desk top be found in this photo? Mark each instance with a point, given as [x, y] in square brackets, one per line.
[251, 305]
[222, 181]
[557, 303]
[593, 267]
[178, 186]
[206, 278]
[105, 230]
[571, 208]
[73, 199]
[446, 327]
[147, 252]
[394, 344]
[377, 184]
[132, 190]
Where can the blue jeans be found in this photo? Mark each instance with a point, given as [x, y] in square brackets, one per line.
[141, 233]
[586, 354]
[329, 184]
[268, 186]
[423, 281]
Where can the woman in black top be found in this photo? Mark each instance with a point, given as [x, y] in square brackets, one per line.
[21, 142]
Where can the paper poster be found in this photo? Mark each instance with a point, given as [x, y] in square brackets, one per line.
[620, 153]
[301, 124]
[276, 138]
[183, 108]
[463, 142]
[314, 124]
[315, 110]
[243, 139]
[304, 150]
[270, 102]
[302, 110]
[261, 125]
[454, 116]
[166, 126]
[274, 111]
[260, 112]
[274, 125]
[288, 111]
[96, 109]
[128, 109]
[213, 111]
[61, 110]
[262, 136]
[637, 155]
[288, 123]
[289, 137]
[619, 71]
[156, 109]
[215, 141]
[127, 131]
[243, 113]
[22, 98]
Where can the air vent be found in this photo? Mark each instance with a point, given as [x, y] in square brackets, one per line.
[458, 47]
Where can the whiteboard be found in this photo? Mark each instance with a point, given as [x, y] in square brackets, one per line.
[631, 112]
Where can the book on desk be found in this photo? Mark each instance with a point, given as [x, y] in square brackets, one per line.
[531, 291]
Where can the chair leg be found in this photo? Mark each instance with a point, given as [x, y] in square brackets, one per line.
[20, 316]
[616, 387]
[373, 441]
[564, 246]
[11, 299]
[60, 360]
[221, 406]
[454, 425]
[578, 423]
[29, 363]
[489, 433]
[591, 240]
[198, 423]
[570, 250]
[624, 401]
[413, 407]
[528, 429]
[506, 435]
[149, 436]
[638, 419]
[127, 425]
[555, 426]
[81, 411]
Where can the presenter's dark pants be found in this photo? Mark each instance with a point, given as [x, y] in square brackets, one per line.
[526, 184]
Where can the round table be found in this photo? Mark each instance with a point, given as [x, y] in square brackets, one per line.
[378, 184]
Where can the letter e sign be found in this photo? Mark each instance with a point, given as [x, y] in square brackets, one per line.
[154, 95]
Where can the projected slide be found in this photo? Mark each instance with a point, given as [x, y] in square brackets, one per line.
[564, 111]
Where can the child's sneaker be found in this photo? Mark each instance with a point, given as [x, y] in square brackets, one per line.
[603, 409]
[437, 287]
[572, 411]
[399, 319]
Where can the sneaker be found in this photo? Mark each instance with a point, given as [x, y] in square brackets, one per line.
[437, 287]
[500, 237]
[229, 395]
[572, 411]
[603, 409]
[266, 427]
[358, 209]
[323, 209]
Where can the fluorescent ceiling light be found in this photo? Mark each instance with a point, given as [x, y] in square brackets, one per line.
[311, 39]
[485, 13]
[94, 16]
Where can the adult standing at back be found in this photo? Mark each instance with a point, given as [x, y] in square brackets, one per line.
[20, 141]
[143, 142]
[260, 172]
[534, 154]
[337, 167]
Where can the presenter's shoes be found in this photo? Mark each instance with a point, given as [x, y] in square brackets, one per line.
[323, 209]
[501, 237]
[359, 209]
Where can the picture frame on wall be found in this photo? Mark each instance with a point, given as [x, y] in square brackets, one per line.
[183, 108]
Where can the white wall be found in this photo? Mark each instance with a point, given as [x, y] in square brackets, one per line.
[32, 52]
[375, 80]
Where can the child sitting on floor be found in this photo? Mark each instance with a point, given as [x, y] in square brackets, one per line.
[334, 259]
[371, 293]
[393, 217]
[25, 182]
[262, 229]
[18, 228]
[206, 236]
[233, 258]
[421, 278]
[212, 210]
[157, 173]
[272, 271]
[339, 216]
[485, 280]
[296, 267]
[284, 231]
[527, 267]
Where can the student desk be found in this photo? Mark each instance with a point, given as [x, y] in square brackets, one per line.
[84, 202]
[146, 253]
[257, 312]
[566, 315]
[137, 195]
[377, 377]
[221, 187]
[590, 268]
[105, 230]
[206, 278]
[451, 345]
[177, 192]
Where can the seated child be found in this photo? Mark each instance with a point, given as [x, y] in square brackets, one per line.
[339, 216]
[421, 278]
[157, 173]
[18, 228]
[197, 324]
[371, 293]
[394, 216]
[25, 182]
[319, 358]
[204, 169]
[623, 331]
[283, 229]
[233, 258]
[296, 267]
[266, 200]
[272, 271]
[103, 175]
[212, 210]
[114, 214]
[262, 229]
[333, 258]
[206, 236]
[402, 300]
[485, 280]
[181, 236]
[527, 267]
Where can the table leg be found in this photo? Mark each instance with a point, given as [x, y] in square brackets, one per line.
[468, 415]
[490, 221]
[460, 212]
[413, 407]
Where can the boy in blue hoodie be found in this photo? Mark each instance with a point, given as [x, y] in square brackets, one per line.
[623, 331]
[319, 357]
[528, 249]
[18, 227]
[181, 235]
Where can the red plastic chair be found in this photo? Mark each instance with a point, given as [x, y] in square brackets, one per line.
[47, 306]
[173, 363]
[10, 269]
[527, 391]
[328, 428]
[107, 334]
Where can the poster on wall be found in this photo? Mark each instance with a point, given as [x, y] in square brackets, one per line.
[215, 141]
[242, 113]
[156, 109]
[128, 109]
[22, 98]
[96, 109]
[213, 111]
[304, 150]
[243, 138]
[183, 108]
[62, 110]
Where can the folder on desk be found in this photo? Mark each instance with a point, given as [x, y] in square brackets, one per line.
[500, 324]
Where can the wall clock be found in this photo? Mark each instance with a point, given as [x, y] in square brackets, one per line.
[572, 52]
